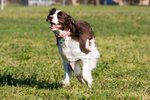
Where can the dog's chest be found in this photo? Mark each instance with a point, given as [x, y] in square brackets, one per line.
[70, 49]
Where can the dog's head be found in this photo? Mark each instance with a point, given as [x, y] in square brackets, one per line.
[59, 20]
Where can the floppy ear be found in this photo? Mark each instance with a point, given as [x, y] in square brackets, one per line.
[69, 21]
[70, 24]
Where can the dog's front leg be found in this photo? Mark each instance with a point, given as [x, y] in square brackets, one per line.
[67, 74]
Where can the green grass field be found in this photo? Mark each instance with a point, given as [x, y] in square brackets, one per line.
[31, 69]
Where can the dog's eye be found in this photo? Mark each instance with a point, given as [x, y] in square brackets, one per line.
[59, 16]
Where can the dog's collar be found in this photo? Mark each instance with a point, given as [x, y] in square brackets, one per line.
[64, 34]
[61, 35]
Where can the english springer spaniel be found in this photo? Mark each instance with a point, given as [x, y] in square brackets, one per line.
[76, 44]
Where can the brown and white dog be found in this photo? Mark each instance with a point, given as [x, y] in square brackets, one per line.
[78, 46]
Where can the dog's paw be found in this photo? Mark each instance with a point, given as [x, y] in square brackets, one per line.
[80, 79]
[83, 81]
[65, 83]
[89, 85]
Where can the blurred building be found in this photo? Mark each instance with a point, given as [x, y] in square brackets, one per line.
[10, 1]
[77, 2]
[133, 2]
[88, 2]
[38, 2]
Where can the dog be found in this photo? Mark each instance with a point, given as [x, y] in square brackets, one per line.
[76, 45]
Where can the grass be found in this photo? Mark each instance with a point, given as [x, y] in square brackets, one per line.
[31, 69]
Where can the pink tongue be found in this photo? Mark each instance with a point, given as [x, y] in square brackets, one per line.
[53, 26]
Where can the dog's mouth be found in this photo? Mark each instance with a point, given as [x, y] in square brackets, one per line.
[54, 26]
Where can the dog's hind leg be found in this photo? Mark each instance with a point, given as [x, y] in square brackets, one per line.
[67, 75]
[86, 72]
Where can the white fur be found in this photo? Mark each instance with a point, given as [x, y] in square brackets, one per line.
[71, 54]
[54, 16]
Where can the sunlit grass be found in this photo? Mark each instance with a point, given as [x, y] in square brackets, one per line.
[30, 66]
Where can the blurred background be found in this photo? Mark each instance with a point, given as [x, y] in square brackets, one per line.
[31, 67]
[76, 2]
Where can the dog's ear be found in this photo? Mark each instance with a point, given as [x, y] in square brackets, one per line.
[52, 11]
[69, 19]
[71, 24]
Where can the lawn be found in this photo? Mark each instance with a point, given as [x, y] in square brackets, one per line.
[31, 69]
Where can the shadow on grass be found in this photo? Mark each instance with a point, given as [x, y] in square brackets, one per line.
[32, 82]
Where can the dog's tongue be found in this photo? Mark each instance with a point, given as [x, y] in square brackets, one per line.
[55, 26]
